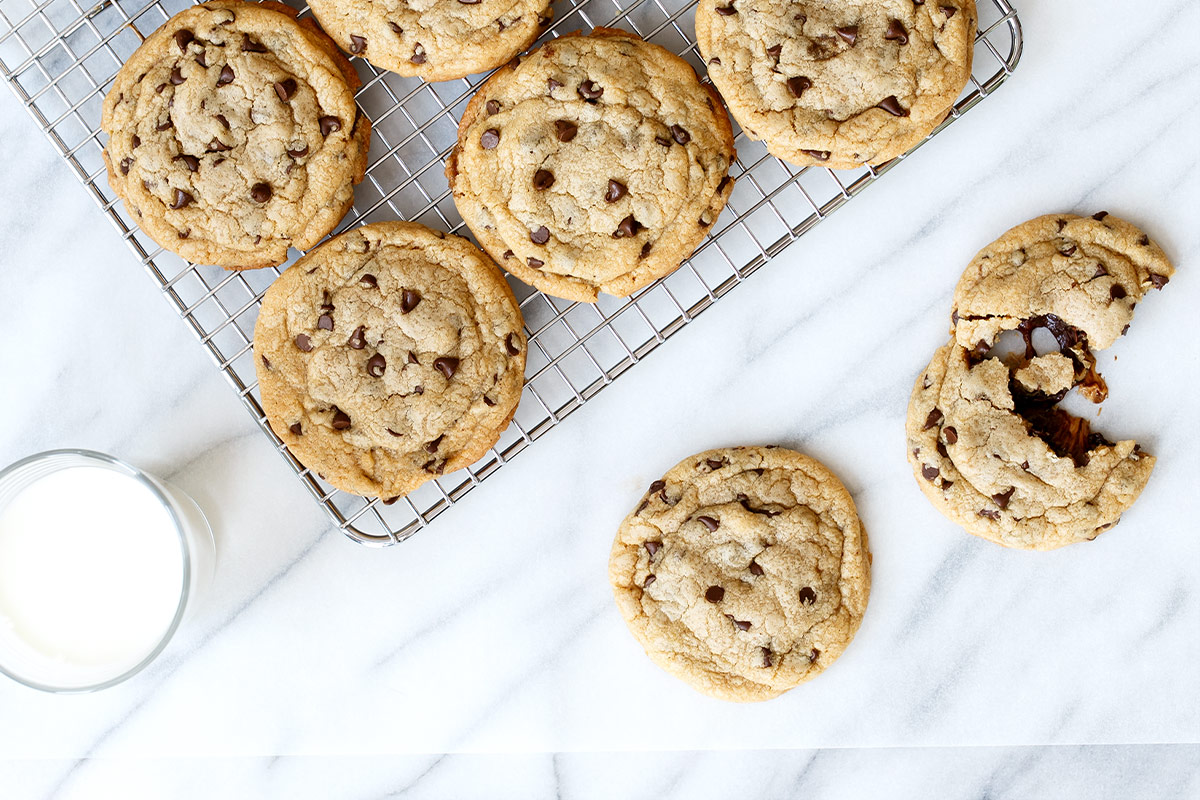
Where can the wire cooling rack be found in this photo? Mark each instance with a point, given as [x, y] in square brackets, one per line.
[60, 57]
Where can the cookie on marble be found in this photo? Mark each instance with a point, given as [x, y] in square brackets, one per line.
[389, 355]
[838, 84]
[436, 41]
[233, 134]
[988, 443]
[744, 571]
[595, 164]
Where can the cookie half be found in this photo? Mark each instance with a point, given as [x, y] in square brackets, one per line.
[389, 355]
[595, 164]
[744, 571]
[233, 134]
[436, 41]
[838, 84]
[988, 443]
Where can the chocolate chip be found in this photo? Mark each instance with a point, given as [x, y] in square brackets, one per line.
[766, 656]
[395, 28]
[627, 227]
[369, 281]
[136, 141]
[543, 179]
[590, 91]
[680, 135]
[447, 365]
[948, 11]
[849, 33]
[489, 139]
[1099, 216]
[1002, 498]
[813, 655]
[929, 473]
[896, 32]
[1061, 223]
[552, 84]
[296, 429]
[564, 130]
[935, 417]
[819, 155]
[714, 594]
[221, 119]
[303, 343]
[508, 254]
[182, 199]
[329, 125]
[664, 141]
[325, 322]
[202, 60]
[298, 153]
[1068, 251]
[358, 339]
[409, 300]
[726, 11]
[652, 548]
[798, 84]
[645, 250]
[1117, 291]
[649, 580]
[713, 463]
[893, 107]
[709, 523]
[191, 162]
[125, 164]
[540, 236]
[260, 192]
[285, 89]
[226, 75]
[1159, 281]
[742, 625]
[376, 365]
[493, 107]
[176, 76]
[1144, 241]
[183, 38]
[808, 596]
[252, 45]
[341, 420]
[616, 190]
[412, 358]
[392, 432]
[357, 44]
[989, 513]
[1101, 271]
[657, 486]
[326, 301]
[509, 345]
[951, 435]
[774, 50]
[536, 263]
[418, 56]
[755, 569]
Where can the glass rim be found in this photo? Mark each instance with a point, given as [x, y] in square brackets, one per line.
[168, 504]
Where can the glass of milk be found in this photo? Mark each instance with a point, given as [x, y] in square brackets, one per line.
[99, 562]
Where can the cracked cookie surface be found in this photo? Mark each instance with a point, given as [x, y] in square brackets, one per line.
[233, 134]
[434, 39]
[595, 164]
[744, 571]
[389, 355]
[988, 444]
[838, 84]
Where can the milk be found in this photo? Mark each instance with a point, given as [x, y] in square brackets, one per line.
[92, 570]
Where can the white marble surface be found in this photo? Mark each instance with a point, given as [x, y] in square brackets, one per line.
[319, 668]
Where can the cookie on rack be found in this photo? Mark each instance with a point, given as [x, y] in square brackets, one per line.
[389, 355]
[838, 84]
[595, 164]
[744, 571]
[987, 441]
[233, 134]
[436, 41]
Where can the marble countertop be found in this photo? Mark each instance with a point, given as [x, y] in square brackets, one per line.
[316, 667]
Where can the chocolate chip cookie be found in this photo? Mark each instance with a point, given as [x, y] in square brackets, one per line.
[987, 440]
[838, 84]
[744, 571]
[595, 164]
[435, 40]
[233, 134]
[389, 355]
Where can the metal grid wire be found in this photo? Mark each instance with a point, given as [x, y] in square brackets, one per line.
[60, 57]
